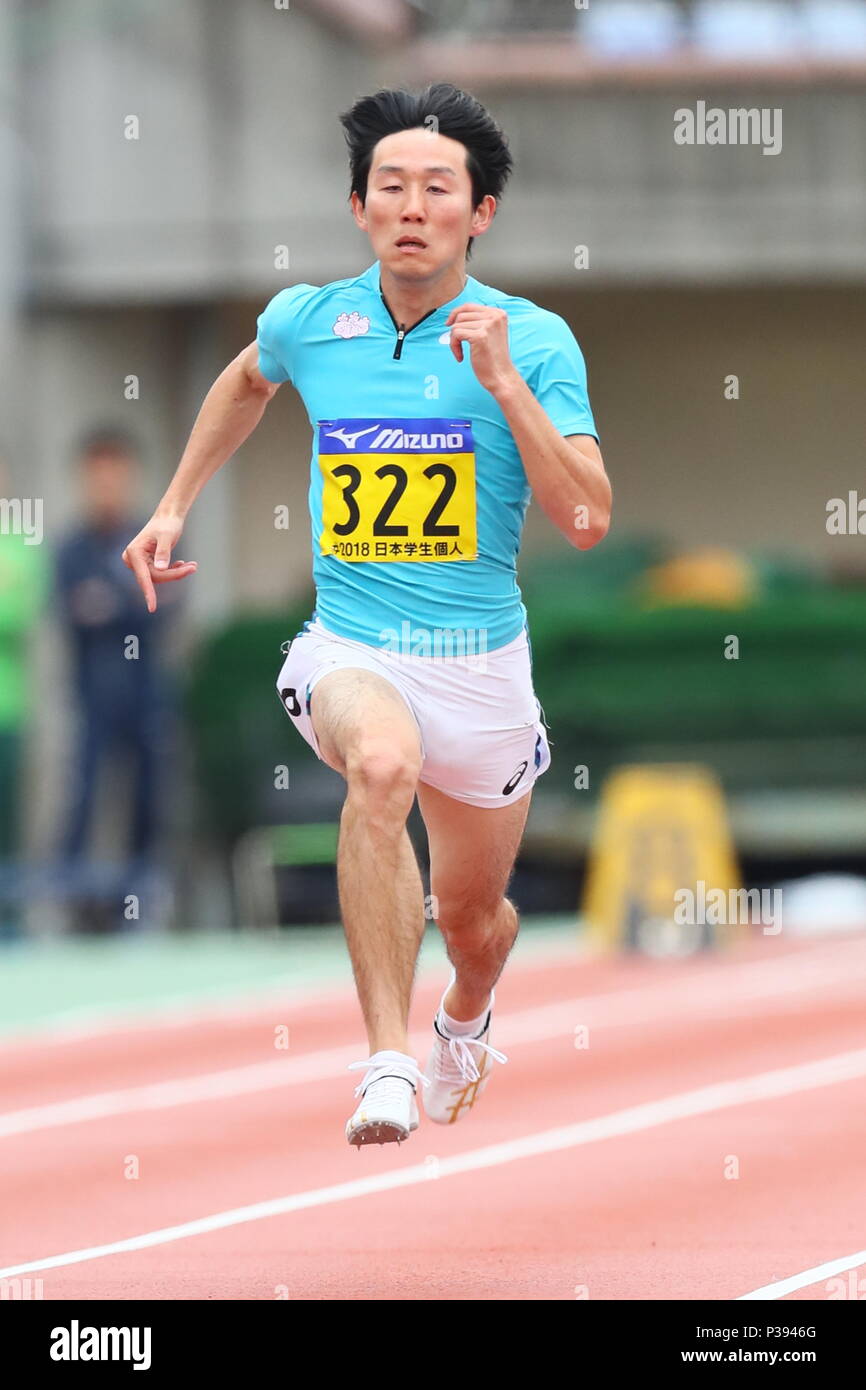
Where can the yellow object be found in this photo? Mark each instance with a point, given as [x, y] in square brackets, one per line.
[711, 576]
[663, 875]
[399, 506]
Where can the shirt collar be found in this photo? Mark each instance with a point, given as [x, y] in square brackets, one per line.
[372, 278]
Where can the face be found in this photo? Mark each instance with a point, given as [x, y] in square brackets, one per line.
[419, 187]
[109, 480]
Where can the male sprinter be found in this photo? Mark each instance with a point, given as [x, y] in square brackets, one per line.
[438, 405]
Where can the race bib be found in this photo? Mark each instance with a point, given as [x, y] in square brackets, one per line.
[398, 489]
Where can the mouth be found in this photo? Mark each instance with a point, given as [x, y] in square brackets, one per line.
[411, 243]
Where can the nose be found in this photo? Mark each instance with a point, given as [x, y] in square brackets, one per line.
[413, 205]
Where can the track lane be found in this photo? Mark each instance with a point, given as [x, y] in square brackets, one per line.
[208, 1157]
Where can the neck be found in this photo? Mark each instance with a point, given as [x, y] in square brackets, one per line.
[410, 300]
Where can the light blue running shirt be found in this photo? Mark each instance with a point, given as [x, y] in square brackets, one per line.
[417, 490]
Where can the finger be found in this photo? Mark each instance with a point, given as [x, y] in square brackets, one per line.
[461, 335]
[466, 308]
[139, 566]
[471, 330]
[162, 554]
[475, 320]
[179, 570]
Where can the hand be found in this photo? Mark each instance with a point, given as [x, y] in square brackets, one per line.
[485, 329]
[149, 556]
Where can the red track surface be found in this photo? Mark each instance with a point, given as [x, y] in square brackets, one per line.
[646, 1214]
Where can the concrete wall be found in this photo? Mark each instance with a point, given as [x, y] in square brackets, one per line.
[698, 468]
[11, 251]
[236, 149]
[239, 150]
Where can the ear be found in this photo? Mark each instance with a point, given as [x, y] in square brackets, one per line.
[358, 212]
[483, 215]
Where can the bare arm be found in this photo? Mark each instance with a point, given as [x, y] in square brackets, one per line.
[232, 408]
[566, 473]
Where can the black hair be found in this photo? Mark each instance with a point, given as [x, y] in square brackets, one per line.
[457, 114]
[106, 439]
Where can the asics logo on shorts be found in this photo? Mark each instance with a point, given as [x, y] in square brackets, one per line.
[515, 778]
[290, 699]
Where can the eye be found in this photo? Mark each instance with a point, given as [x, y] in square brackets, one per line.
[435, 189]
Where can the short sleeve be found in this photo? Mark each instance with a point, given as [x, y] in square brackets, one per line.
[276, 330]
[558, 382]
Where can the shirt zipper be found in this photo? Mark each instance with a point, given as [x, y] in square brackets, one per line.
[402, 330]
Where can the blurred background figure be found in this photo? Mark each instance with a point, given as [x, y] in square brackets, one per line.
[125, 699]
[22, 593]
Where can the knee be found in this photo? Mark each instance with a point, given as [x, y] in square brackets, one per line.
[475, 919]
[384, 775]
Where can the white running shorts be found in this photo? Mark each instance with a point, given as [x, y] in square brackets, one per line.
[482, 730]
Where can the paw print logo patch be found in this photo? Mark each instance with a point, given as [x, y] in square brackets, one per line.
[351, 325]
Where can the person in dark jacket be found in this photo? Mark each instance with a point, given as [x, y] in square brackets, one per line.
[120, 684]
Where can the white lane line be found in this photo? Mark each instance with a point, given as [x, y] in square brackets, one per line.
[829, 1071]
[721, 993]
[808, 1276]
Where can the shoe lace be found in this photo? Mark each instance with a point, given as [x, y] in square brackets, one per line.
[456, 1062]
[387, 1065]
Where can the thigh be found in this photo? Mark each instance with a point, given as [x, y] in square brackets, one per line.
[334, 691]
[353, 706]
[472, 848]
